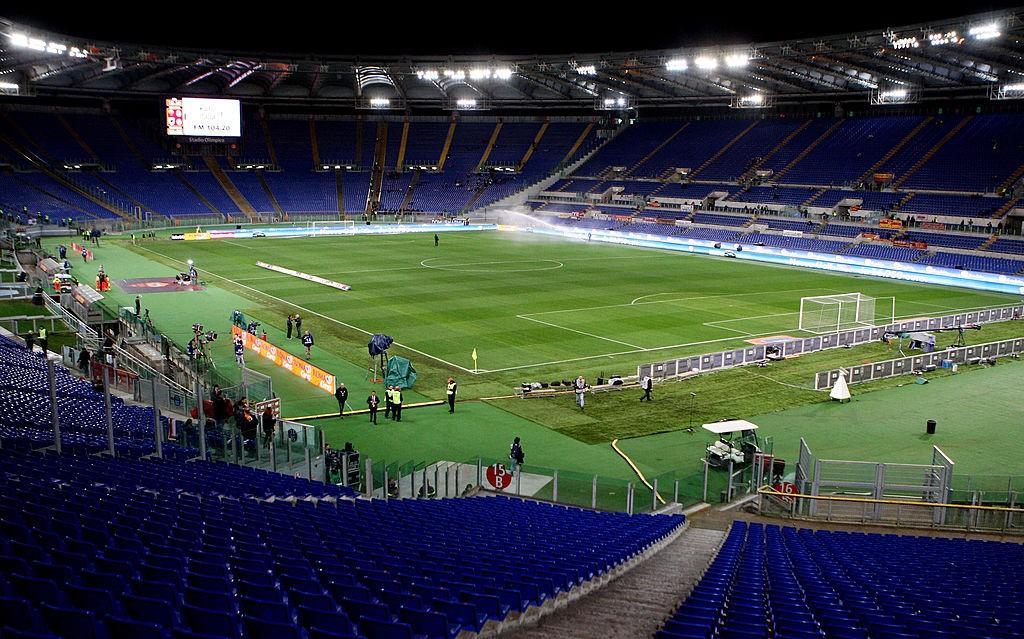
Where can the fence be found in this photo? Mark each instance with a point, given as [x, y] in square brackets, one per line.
[852, 337]
[894, 512]
[904, 365]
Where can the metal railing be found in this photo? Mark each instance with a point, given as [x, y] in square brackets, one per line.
[975, 517]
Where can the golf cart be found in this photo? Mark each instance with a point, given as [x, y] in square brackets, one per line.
[737, 443]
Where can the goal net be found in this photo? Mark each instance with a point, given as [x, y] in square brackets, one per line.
[328, 226]
[832, 313]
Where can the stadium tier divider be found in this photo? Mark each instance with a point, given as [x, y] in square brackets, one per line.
[853, 337]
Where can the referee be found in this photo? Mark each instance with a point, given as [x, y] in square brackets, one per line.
[452, 389]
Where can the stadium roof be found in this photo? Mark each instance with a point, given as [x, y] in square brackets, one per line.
[973, 56]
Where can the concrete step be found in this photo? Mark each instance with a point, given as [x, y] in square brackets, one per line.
[636, 604]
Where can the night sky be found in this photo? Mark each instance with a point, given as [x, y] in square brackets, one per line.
[478, 28]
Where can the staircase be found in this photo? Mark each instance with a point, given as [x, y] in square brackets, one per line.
[810, 147]
[380, 151]
[577, 144]
[820, 228]
[77, 138]
[722, 150]
[314, 144]
[43, 166]
[199, 196]
[984, 246]
[736, 195]
[270, 142]
[229, 186]
[634, 604]
[52, 195]
[270, 194]
[932, 151]
[401, 147]
[655, 151]
[814, 197]
[533, 146]
[339, 186]
[1010, 181]
[906, 198]
[447, 146]
[359, 141]
[407, 200]
[490, 147]
[894, 150]
[128, 142]
[775, 149]
[1006, 208]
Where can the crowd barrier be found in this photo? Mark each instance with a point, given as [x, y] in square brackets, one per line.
[851, 337]
[904, 365]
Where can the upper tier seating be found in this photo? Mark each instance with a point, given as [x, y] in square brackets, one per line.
[794, 583]
[692, 147]
[978, 158]
[757, 143]
[850, 150]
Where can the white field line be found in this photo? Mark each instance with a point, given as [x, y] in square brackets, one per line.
[676, 299]
[752, 317]
[573, 330]
[312, 312]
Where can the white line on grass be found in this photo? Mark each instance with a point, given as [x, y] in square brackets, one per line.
[573, 330]
[675, 299]
[312, 312]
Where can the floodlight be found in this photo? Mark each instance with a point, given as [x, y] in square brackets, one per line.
[427, 74]
[379, 103]
[736, 60]
[893, 94]
[677, 64]
[705, 62]
[466, 103]
[985, 31]
[503, 73]
[479, 74]
[588, 69]
[454, 74]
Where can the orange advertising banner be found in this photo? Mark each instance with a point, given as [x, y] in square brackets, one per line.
[890, 224]
[294, 365]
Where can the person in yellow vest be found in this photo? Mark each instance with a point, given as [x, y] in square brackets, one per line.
[56, 284]
[42, 340]
[452, 389]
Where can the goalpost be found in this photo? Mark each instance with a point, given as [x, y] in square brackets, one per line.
[833, 313]
[327, 226]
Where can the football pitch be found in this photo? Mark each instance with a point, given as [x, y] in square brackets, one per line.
[543, 309]
[531, 305]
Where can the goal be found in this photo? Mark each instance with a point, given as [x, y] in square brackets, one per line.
[832, 313]
[330, 226]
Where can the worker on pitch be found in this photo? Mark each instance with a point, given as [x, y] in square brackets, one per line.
[341, 394]
[307, 341]
[451, 390]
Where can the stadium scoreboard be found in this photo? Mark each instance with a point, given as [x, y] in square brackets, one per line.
[203, 117]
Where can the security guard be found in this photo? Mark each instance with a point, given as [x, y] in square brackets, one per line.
[341, 394]
[396, 403]
[452, 389]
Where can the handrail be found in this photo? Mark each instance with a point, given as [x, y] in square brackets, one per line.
[771, 492]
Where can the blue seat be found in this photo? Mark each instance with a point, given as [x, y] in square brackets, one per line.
[37, 590]
[158, 611]
[374, 629]
[18, 614]
[431, 624]
[124, 628]
[263, 629]
[266, 610]
[71, 623]
[328, 620]
[464, 614]
[211, 622]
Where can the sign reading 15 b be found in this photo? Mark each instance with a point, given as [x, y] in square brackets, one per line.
[498, 476]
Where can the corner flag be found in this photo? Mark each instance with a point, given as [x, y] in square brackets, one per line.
[474, 359]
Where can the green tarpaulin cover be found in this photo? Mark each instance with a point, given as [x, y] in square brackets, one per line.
[400, 373]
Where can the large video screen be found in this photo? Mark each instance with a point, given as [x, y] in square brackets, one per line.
[204, 117]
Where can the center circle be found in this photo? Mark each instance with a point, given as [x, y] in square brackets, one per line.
[493, 266]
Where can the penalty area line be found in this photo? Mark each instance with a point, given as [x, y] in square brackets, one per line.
[312, 312]
[573, 330]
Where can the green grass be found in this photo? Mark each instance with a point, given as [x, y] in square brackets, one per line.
[541, 309]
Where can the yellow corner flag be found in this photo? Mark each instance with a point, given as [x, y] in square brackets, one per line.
[474, 359]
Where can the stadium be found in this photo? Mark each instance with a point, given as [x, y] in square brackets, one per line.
[693, 342]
